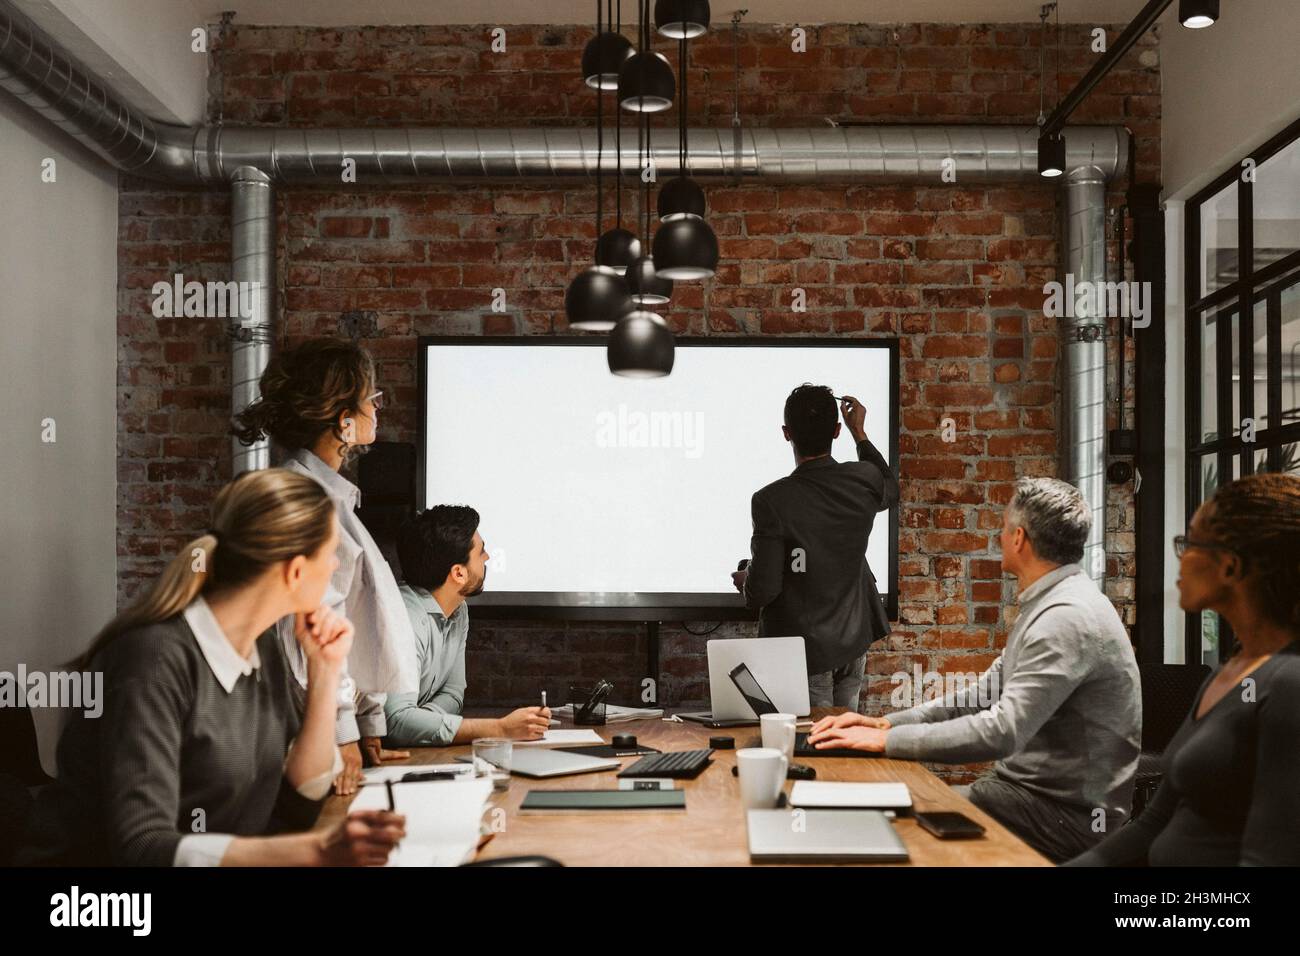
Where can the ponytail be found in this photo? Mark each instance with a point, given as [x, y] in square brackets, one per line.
[258, 520]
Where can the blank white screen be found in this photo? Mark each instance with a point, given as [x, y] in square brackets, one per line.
[574, 497]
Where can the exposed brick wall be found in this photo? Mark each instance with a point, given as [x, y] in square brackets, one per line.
[956, 271]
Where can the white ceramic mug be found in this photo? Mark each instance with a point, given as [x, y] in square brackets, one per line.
[778, 733]
[762, 775]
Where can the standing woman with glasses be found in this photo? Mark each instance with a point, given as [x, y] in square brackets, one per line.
[319, 404]
[1230, 794]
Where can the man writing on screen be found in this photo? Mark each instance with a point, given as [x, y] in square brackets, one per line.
[808, 569]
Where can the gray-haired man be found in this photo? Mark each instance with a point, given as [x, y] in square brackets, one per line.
[1060, 710]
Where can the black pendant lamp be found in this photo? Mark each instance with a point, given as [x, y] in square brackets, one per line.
[1051, 155]
[604, 56]
[646, 286]
[681, 197]
[1198, 14]
[645, 83]
[681, 19]
[641, 346]
[597, 297]
[685, 247]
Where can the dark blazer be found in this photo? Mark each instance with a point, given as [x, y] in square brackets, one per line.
[824, 593]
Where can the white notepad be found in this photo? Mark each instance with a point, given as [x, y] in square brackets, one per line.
[862, 796]
[443, 819]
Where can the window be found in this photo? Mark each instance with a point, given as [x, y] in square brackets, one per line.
[1243, 342]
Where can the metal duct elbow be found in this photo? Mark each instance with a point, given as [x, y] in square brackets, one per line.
[39, 72]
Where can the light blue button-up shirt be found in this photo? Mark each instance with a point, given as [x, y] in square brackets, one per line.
[432, 716]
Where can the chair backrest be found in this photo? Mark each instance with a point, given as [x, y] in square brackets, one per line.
[1168, 692]
[20, 756]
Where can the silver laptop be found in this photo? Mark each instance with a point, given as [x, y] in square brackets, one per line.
[545, 762]
[778, 664]
[823, 835]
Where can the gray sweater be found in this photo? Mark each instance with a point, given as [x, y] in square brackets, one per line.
[1064, 703]
[173, 752]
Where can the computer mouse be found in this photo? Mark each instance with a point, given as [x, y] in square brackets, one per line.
[624, 740]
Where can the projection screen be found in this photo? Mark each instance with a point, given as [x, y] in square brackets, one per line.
[616, 498]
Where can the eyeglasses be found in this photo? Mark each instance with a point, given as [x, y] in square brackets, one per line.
[378, 400]
[1182, 543]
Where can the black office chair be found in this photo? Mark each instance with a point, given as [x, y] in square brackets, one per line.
[1168, 692]
[20, 757]
[517, 861]
[20, 770]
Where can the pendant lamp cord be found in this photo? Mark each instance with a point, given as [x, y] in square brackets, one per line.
[618, 135]
[600, 129]
[681, 112]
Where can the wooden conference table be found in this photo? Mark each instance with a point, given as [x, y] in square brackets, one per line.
[711, 830]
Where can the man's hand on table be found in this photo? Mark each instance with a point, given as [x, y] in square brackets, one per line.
[850, 731]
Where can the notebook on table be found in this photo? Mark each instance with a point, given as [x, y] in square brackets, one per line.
[834, 795]
[604, 800]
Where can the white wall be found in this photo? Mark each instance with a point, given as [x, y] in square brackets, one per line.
[1227, 88]
[58, 317]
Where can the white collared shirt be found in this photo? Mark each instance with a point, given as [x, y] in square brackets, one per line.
[226, 663]
[364, 590]
[228, 666]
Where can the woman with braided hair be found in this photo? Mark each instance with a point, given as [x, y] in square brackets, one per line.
[1230, 794]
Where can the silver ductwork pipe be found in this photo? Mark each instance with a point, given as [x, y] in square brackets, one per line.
[252, 267]
[1083, 397]
[859, 154]
[34, 68]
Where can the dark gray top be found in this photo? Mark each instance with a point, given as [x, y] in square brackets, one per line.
[1230, 795]
[825, 594]
[171, 741]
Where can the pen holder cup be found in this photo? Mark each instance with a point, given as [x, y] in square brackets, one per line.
[579, 696]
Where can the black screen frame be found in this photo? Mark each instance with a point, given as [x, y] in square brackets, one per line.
[642, 605]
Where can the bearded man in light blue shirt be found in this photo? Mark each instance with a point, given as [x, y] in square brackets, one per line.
[444, 561]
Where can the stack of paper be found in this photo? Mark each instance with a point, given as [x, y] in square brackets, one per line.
[615, 714]
[443, 819]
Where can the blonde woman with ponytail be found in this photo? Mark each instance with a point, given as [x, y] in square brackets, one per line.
[200, 756]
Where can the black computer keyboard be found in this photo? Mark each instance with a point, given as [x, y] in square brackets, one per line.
[683, 763]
